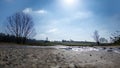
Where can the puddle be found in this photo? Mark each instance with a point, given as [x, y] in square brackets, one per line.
[85, 49]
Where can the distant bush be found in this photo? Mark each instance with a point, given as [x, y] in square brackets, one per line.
[7, 38]
[12, 39]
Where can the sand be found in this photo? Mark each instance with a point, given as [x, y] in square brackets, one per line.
[57, 58]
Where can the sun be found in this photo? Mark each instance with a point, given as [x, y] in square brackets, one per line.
[68, 4]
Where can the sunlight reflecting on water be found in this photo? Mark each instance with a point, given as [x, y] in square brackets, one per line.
[84, 49]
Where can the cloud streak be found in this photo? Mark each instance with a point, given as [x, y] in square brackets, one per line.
[30, 10]
[52, 30]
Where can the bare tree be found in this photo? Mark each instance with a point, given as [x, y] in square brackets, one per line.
[96, 37]
[21, 26]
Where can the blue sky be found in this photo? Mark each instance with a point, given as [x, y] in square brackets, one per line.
[66, 19]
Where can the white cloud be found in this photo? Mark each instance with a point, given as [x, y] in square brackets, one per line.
[30, 10]
[27, 10]
[53, 30]
[41, 11]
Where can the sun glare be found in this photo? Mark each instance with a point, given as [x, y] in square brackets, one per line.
[69, 4]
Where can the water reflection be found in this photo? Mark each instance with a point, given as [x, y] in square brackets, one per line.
[85, 49]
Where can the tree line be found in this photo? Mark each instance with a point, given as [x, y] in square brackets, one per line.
[10, 38]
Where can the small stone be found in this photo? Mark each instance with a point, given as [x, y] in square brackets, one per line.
[71, 65]
[109, 50]
[4, 59]
[104, 48]
[48, 60]
[8, 63]
[101, 57]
